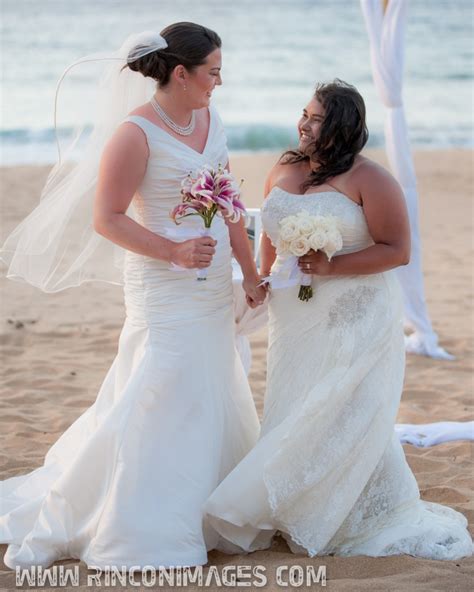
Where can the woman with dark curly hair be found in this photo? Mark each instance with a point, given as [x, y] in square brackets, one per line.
[329, 472]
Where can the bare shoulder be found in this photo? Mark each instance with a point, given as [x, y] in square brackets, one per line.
[289, 174]
[374, 181]
[272, 176]
[143, 110]
[128, 140]
[128, 134]
[368, 172]
[278, 169]
[146, 112]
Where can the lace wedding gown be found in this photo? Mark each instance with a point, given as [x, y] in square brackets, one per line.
[329, 471]
[125, 484]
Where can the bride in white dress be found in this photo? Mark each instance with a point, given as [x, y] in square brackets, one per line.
[125, 484]
[328, 471]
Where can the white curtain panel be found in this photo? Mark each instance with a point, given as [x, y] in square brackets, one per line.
[386, 31]
[431, 434]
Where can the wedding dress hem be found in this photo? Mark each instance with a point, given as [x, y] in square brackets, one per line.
[329, 471]
[174, 414]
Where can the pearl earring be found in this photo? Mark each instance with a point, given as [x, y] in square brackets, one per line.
[184, 87]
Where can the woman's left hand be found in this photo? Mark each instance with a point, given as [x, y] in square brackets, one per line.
[315, 263]
[254, 293]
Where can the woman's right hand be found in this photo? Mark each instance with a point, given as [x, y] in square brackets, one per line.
[194, 253]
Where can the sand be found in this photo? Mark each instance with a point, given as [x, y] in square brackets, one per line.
[57, 348]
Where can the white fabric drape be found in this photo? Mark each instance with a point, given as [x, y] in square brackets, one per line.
[386, 32]
[430, 434]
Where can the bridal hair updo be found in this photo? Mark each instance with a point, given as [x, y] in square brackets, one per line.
[343, 133]
[188, 45]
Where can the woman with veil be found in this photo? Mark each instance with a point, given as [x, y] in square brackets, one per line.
[125, 484]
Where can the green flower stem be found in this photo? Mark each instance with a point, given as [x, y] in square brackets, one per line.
[305, 293]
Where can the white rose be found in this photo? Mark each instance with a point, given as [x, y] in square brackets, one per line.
[317, 239]
[304, 224]
[299, 247]
[289, 232]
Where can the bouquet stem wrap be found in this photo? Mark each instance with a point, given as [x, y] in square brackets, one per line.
[306, 288]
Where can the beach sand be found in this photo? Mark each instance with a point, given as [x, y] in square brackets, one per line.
[56, 349]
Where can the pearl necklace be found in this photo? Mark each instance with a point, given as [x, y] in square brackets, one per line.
[182, 131]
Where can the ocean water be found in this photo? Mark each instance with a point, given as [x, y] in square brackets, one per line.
[273, 53]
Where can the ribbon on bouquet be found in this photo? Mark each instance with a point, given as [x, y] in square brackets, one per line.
[287, 274]
[184, 233]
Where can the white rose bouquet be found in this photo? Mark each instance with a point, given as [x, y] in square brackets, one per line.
[301, 233]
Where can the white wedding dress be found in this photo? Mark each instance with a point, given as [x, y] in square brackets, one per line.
[125, 484]
[329, 471]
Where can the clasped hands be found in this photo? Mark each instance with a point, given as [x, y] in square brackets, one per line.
[255, 291]
[313, 263]
[198, 253]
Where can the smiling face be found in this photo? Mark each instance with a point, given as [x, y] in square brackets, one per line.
[309, 124]
[203, 79]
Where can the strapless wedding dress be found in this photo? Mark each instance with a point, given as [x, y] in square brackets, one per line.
[329, 471]
[125, 484]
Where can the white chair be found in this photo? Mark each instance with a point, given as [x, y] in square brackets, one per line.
[254, 230]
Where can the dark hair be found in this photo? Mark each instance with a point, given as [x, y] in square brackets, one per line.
[342, 136]
[188, 44]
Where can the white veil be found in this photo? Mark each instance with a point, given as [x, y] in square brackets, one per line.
[55, 246]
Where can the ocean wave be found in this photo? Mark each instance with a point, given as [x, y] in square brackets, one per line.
[27, 146]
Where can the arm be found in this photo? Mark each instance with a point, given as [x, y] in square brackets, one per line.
[267, 250]
[242, 248]
[387, 218]
[121, 171]
[242, 251]
[267, 255]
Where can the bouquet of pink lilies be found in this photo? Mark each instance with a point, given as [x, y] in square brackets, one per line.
[211, 192]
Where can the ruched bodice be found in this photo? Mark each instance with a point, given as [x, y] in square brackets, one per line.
[154, 293]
